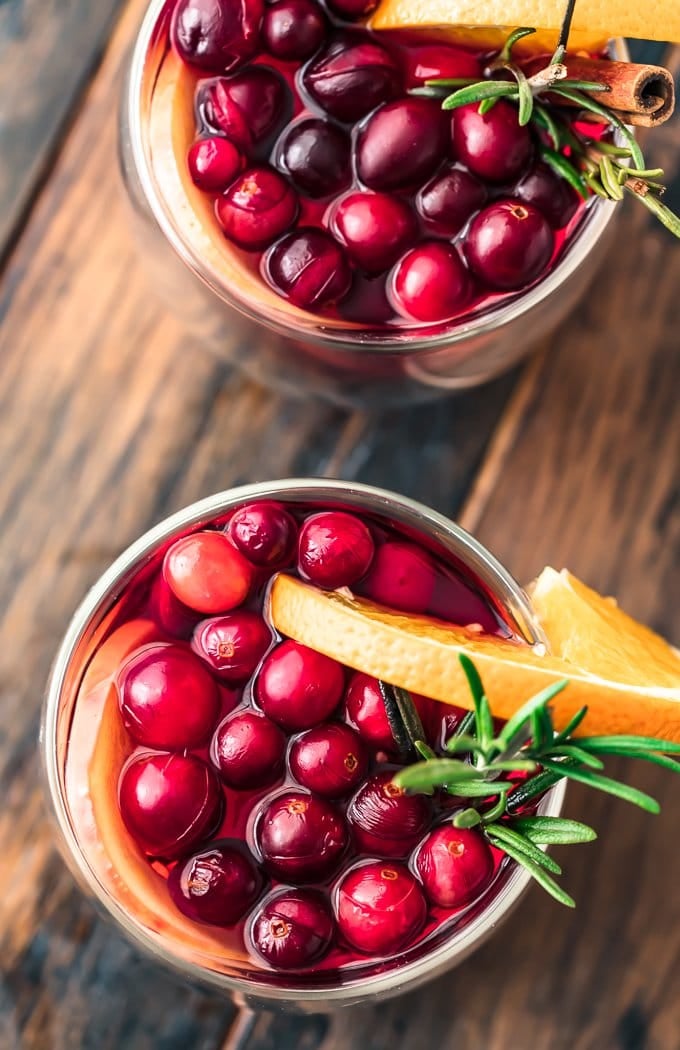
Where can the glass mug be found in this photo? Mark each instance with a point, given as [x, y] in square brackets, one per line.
[84, 849]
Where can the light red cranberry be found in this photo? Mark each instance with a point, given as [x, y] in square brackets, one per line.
[329, 760]
[265, 532]
[213, 163]
[385, 821]
[431, 283]
[297, 687]
[232, 645]
[455, 865]
[401, 576]
[380, 908]
[335, 549]
[257, 208]
[248, 750]
[206, 573]
[375, 228]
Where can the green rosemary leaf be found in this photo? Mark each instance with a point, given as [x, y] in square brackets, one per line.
[658, 760]
[467, 818]
[476, 92]
[424, 750]
[484, 728]
[517, 34]
[645, 173]
[436, 772]
[532, 788]
[486, 105]
[574, 751]
[622, 744]
[669, 219]
[585, 102]
[524, 92]
[558, 831]
[473, 677]
[451, 82]
[606, 784]
[583, 85]
[609, 180]
[513, 765]
[561, 166]
[479, 788]
[596, 186]
[409, 715]
[612, 150]
[464, 744]
[496, 811]
[501, 833]
[573, 723]
[523, 714]
[466, 725]
[541, 876]
[543, 118]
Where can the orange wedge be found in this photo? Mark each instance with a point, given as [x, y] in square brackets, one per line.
[628, 677]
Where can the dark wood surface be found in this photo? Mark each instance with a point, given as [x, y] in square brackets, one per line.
[111, 419]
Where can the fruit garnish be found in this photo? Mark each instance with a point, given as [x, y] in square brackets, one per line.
[627, 676]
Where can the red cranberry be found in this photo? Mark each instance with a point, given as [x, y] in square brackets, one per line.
[246, 107]
[402, 576]
[309, 268]
[216, 35]
[175, 618]
[448, 200]
[352, 9]
[385, 820]
[300, 837]
[375, 229]
[169, 803]
[167, 698]
[509, 244]
[351, 77]
[217, 885]
[248, 750]
[232, 645]
[257, 208]
[264, 532]
[206, 573]
[431, 283]
[294, 928]
[329, 760]
[297, 687]
[552, 195]
[213, 163]
[316, 156]
[493, 145]
[437, 61]
[334, 549]
[293, 29]
[402, 143]
[380, 908]
[366, 711]
[454, 865]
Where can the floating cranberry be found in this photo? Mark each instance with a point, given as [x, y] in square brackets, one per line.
[309, 268]
[248, 750]
[375, 228]
[294, 928]
[300, 837]
[335, 549]
[380, 908]
[436, 61]
[213, 163]
[431, 283]
[402, 143]
[493, 145]
[293, 29]
[217, 885]
[402, 576]
[297, 687]
[167, 698]
[232, 645]
[509, 244]
[175, 618]
[169, 803]
[206, 573]
[454, 865]
[216, 35]
[385, 820]
[351, 9]
[257, 208]
[265, 532]
[448, 200]
[329, 760]
[352, 76]
[366, 711]
[553, 196]
[246, 107]
[316, 156]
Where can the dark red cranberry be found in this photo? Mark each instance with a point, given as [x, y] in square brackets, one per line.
[293, 29]
[293, 929]
[175, 618]
[385, 820]
[402, 143]
[246, 107]
[454, 865]
[213, 163]
[431, 283]
[552, 195]
[448, 200]
[300, 837]
[493, 145]
[297, 687]
[352, 9]
[216, 35]
[169, 803]
[366, 711]
[232, 645]
[335, 549]
[206, 573]
[402, 576]
[316, 156]
[375, 228]
[309, 268]
[167, 698]
[509, 244]
[217, 885]
[265, 532]
[351, 77]
[248, 750]
[257, 208]
[329, 760]
[380, 908]
[436, 61]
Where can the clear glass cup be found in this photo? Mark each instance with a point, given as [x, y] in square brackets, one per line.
[291, 350]
[83, 853]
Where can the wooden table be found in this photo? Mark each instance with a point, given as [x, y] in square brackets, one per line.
[112, 419]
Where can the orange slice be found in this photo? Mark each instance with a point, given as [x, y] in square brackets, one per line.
[628, 677]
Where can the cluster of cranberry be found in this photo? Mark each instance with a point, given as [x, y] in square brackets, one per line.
[261, 778]
[319, 158]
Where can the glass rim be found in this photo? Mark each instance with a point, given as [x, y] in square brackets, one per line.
[327, 331]
[380, 501]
